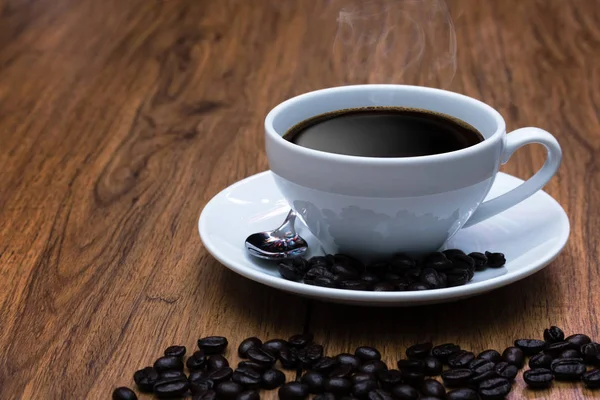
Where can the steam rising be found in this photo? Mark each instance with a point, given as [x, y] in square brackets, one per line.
[395, 41]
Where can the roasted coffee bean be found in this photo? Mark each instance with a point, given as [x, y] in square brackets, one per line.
[247, 377]
[479, 366]
[419, 351]
[354, 285]
[589, 352]
[247, 344]
[432, 366]
[272, 378]
[530, 346]
[171, 375]
[413, 378]
[431, 278]
[344, 272]
[554, 334]
[325, 365]
[198, 385]
[175, 351]
[289, 358]
[343, 371]
[293, 391]
[379, 394]
[216, 361]
[462, 359]
[208, 395]
[405, 392]
[348, 261]
[324, 396]
[462, 394]
[168, 363]
[506, 370]
[322, 281]
[378, 268]
[495, 260]
[430, 398]
[431, 387]
[418, 286]
[314, 381]
[384, 287]
[554, 349]
[293, 269]
[495, 388]
[318, 272]
[369, 277]
[348, 359]
[389, 378]
[197, 376]
[361, 389]
[569, 353]
[319, 261]
[213, 344]
[145, 379]
[171, 387]
[476, 380]
[301, 340]
[362, 376]
[196, 361]
[228, 390]
[490, 355]
[220, 375]
[274, 346]
[538, 378]
[567, 369]
[444, 351]
[402, 284]
[437, 261]
[401, 262]
[578, 340]
[514, 356]
[248, 395]
[591, 379]
[366, 353]
[463, 261]
[261, 356]
[338, 386]
[541, 360]
[372, 367]
[310, 354]
[253, 365]
[411, 365]
[480, 260]
[124, 393]
[391, 277]
[458, 276]
[450, 253]
[457, 377]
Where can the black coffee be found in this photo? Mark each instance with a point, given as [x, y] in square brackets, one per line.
[384, 132]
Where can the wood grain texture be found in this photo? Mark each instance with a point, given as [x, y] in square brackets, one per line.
[119, 120]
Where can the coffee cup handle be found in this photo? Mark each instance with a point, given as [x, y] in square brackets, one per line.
[514, 141]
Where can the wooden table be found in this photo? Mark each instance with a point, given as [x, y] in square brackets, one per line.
[119, 120]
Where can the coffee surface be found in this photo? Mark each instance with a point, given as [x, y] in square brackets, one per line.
[384, 132]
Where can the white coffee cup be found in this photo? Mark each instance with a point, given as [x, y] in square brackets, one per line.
[373, 207]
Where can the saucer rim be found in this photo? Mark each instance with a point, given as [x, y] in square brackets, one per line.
[341, 295]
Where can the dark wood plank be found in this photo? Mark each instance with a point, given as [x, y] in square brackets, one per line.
[120, 120]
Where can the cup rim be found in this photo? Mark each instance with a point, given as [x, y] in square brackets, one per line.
[442, 157]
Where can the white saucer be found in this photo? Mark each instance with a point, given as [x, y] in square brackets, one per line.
[530, 234]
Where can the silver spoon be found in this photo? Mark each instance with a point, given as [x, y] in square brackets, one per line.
[277, 244]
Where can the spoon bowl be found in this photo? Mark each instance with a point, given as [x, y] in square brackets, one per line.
[278, 244]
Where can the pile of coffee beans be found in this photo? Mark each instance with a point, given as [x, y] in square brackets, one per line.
[362, 375]
[401, 273]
